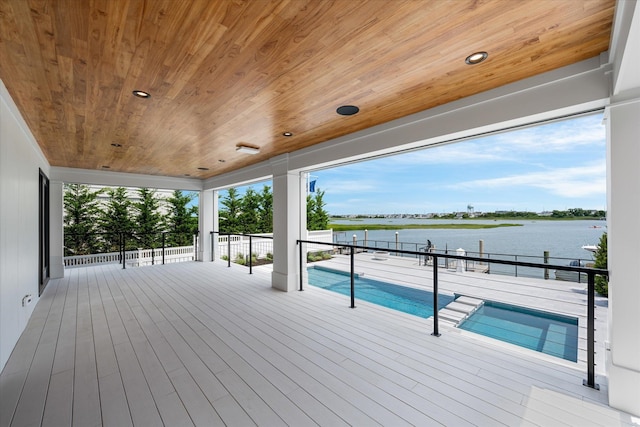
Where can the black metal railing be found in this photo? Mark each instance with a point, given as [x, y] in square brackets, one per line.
[408, 249]
[591, 273]
[92, 248]
[255, 241]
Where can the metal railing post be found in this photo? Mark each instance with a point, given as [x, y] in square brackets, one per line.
[436, 331]
[353, 285]
[228, 250]
[212, 235]
[301, 265]
[250, 257]
[591, 316]
[124, 251]
[164, 243]
[516, 266]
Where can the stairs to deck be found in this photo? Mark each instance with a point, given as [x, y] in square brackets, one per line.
[459, 310]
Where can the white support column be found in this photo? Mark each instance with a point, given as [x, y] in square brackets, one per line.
[205, 224]
[286, 225]
[216, 225]
[623, 227]
[56, 229]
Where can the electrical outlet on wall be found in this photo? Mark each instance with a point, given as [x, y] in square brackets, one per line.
[26, 300]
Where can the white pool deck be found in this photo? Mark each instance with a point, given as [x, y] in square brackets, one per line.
[567, 298]
[203, 344]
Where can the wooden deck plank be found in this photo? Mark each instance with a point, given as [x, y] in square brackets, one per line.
[329, 367]
[204, 376]
[366, 352]
[238, 363]
[58, 408]
[30, 409]
[202, 344]
[15, 372]
[113, 401]
[86, 394]
[254, 354]
[141, 403]
[388, 380]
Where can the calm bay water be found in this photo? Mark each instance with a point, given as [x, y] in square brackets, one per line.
[563, 239]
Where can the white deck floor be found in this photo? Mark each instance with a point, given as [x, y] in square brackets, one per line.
[203, 344]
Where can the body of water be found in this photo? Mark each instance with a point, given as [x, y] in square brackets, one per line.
[563, 239]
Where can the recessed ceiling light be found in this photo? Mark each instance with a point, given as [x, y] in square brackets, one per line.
[203, 169]
[141, 94]
[116, 145]
[106, 167]
[347, 110]
[287, 134]
[476, 58]
[246, 149]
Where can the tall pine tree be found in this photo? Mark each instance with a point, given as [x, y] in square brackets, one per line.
[230, 212]
[249, 217]
[80, 214]
[317, 216]
[182, 220]
[148, 221]
[265, 221]
[115, 218]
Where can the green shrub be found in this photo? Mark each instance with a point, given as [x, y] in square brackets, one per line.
[318, 256]
[240, 259]
[225, 257]
[602, 284]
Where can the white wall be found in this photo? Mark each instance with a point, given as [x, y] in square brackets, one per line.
[20, 159]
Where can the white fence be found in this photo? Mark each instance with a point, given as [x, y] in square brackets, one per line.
[135, 258]
[262, 244]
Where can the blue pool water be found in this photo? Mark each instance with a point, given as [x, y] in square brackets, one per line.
[408, 300]
[548, 333]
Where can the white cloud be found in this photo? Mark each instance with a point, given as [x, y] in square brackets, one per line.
[565, 136]
[348, 186]
[562, 136]
[580, 181]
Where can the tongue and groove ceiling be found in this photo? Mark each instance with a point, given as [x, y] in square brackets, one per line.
[228, 72]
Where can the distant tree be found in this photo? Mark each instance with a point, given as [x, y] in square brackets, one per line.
[182, 220]
[558, 214]
[602, 284]
[80, 219]
[148, 220]
[266, 211]
[230, 212]
[317, 216]
[115, 218]
[249, 216]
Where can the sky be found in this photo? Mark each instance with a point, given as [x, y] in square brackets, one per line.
[559, 165]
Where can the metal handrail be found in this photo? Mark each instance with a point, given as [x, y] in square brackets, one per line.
[250, 236]
[591, 273]
[122, 242]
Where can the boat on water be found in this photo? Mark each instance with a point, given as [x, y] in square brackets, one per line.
[574, 276]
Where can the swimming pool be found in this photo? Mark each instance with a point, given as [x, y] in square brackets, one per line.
[401, 298]
[542, 331]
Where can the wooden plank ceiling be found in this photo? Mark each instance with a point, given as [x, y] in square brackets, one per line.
[228, 72]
